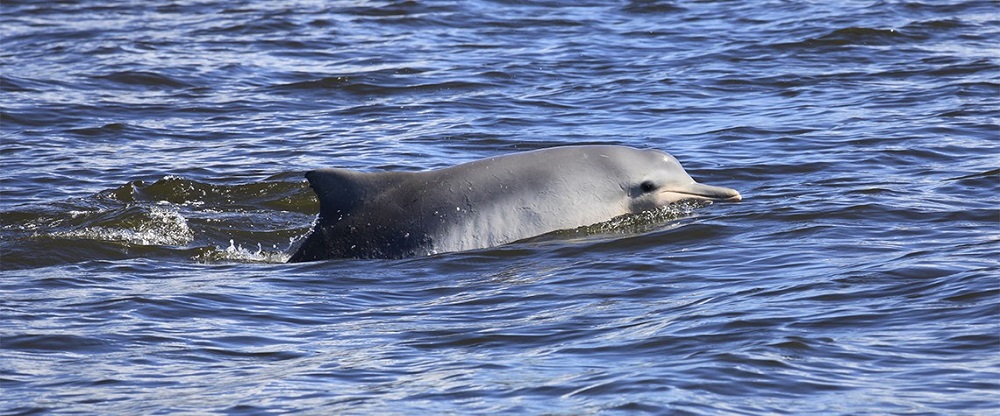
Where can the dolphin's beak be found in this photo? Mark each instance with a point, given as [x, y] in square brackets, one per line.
[696, 190]
[715, 193]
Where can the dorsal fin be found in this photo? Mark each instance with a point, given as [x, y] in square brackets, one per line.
[341, 191]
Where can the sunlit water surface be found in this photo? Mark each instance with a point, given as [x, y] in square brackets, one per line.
[152, 187]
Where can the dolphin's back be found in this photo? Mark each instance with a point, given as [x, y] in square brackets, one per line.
[341, 192]
[344, 227]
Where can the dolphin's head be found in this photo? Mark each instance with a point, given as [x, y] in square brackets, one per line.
[656, 179]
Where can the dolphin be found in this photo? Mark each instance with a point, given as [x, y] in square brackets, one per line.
[490, 202]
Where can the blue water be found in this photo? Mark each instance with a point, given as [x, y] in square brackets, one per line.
[152, 188]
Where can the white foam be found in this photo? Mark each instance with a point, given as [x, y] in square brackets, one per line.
[163, 227]
[237, 253]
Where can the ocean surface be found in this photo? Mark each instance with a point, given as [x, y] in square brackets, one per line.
[152, 187]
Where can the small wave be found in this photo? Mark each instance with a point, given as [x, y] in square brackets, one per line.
[135, 225]
[397, 10]
[279, 195]
[862, 36]
[237, 253]
[652, 7]
[170, 218]
[272, 24]
[145, 79]
[354, 85]
[849, 36]
[110, 128]
[8, 84]
[646, 221]
[628, 224]
[321, 83]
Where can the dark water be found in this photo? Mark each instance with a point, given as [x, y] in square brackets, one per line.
[152, 186]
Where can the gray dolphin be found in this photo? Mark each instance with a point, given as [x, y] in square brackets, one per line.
[490, 202]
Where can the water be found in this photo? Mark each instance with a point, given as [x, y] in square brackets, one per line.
[152, 186]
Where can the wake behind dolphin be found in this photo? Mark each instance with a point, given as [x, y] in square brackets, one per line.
[490, 202]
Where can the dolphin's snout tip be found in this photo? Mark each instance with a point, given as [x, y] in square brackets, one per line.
[729, 196]
[713, 193]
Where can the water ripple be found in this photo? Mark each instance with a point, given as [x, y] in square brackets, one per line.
[152, 186]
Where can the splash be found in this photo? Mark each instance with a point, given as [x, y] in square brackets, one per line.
[240, 254]
[645, 221]
[170, 218]
[157, 225]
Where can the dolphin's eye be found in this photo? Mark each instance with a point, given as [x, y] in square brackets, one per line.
[647, 186]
